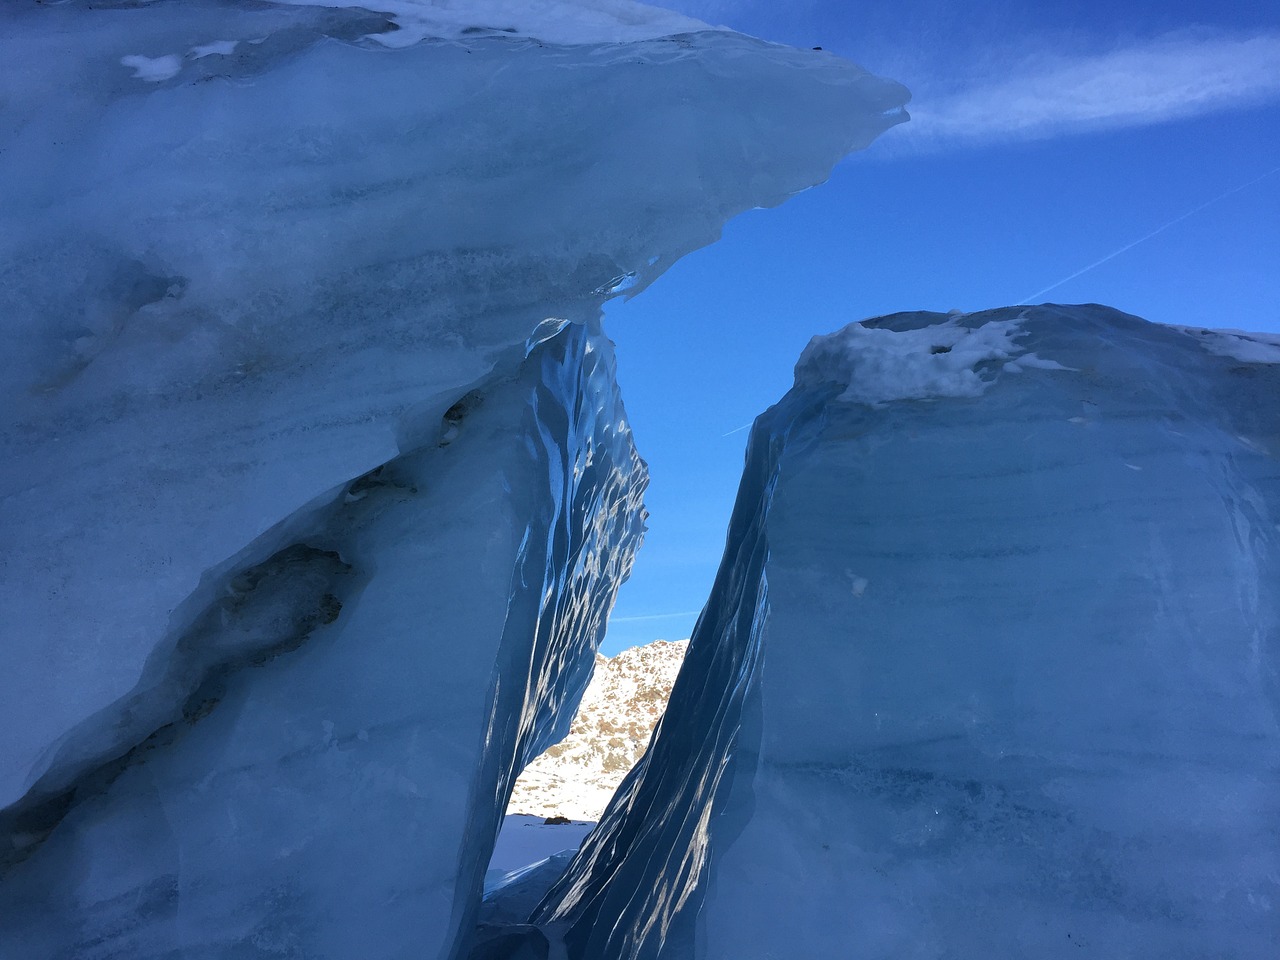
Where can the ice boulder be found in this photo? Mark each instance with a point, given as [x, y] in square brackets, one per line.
[989, 669]
[315, 483]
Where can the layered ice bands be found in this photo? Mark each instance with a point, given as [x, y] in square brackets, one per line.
[314, 487]
[228, 291]
[338, 795]
[1001, 663]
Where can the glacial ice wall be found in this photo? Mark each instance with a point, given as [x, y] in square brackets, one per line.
[992, 662]
[338, 796]
[233, 284]
[315, 485]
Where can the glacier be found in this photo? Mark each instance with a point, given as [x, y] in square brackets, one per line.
[359, 771]
[316, 483]
[991, 666]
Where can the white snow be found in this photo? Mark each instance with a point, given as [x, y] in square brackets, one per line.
[153, 69]
[1029, 361]
[221, 48]
[577, 777]
[1238, 344]
[877, 365]
[529, 857]
[526, 839]
[552, 21]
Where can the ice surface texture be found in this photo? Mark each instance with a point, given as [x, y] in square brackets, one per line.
[262, 272]
[989, 669]
[339, 797]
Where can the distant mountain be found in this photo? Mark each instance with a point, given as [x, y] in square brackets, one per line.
[576, 777]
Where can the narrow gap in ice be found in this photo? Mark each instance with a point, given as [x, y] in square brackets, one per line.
[562, 794]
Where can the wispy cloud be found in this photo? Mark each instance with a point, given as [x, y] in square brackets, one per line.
[1047, 94]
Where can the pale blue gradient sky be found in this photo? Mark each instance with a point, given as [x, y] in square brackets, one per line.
[1045, 141]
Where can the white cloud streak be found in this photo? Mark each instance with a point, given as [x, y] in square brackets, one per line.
[656, 616]
[1050, 94]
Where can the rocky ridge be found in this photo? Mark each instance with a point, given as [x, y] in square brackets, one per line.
[626, 697]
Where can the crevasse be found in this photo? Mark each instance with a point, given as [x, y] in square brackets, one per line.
[661, 828]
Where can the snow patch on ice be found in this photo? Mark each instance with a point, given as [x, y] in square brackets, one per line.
[1029, 361]
[552, 21]
[1238, 344]
[153, 69]
[877, 365]
[221, 48]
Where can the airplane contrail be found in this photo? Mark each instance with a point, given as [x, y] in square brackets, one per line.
[655, 616]
[736, 430]
[1143, 239]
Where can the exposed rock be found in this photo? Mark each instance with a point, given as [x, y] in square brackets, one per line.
[626, 698]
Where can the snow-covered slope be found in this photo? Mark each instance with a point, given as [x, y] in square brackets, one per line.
[624, 701]
[989, 668]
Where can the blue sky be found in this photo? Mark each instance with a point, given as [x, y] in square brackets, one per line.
[1045, 141]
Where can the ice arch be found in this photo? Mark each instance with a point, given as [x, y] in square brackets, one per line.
[316, 482]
